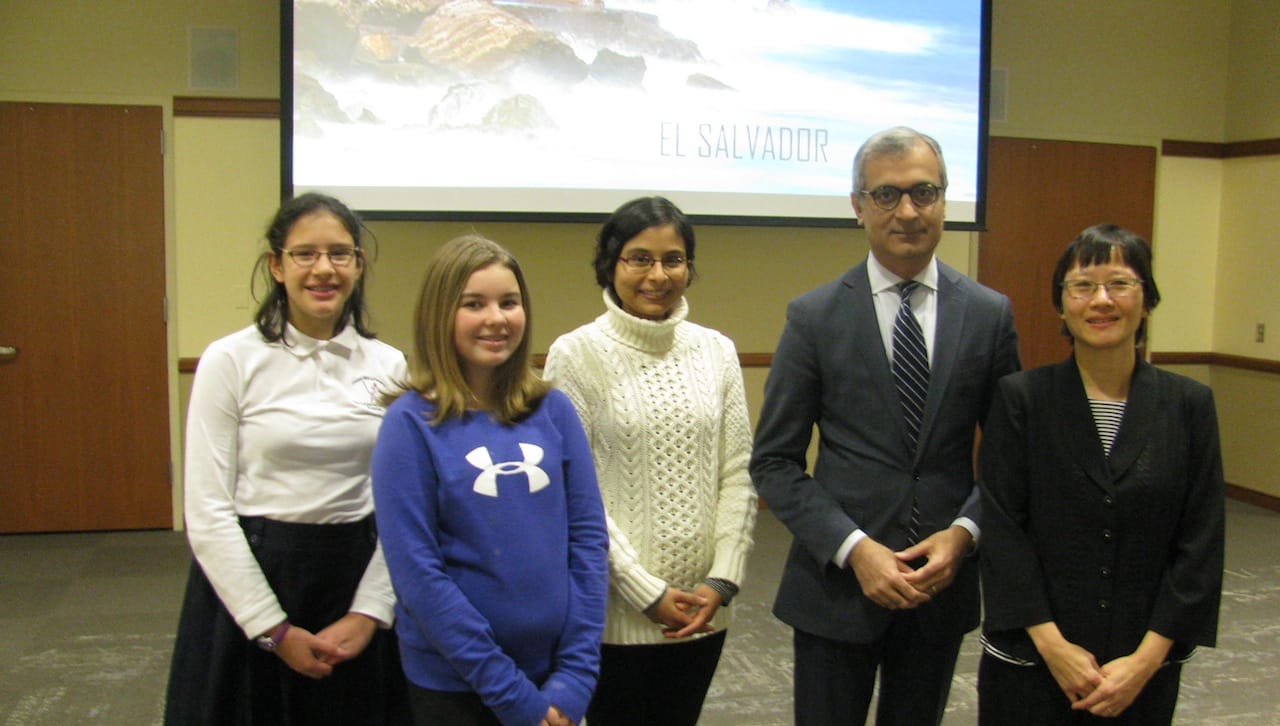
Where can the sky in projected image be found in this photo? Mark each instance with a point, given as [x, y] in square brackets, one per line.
[758, 100]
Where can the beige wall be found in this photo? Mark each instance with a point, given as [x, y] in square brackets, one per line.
[1094, 70]
[219, 224]
[1248, 258]
[104, 49]
[1253, 95]
[1249, 253]
[1113, 72]
[1247, 403]
[1187, 218]
[1139, 73]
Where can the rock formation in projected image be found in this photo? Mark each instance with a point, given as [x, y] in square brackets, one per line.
[484, 62]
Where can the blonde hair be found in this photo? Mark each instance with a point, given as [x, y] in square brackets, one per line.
[435, 369]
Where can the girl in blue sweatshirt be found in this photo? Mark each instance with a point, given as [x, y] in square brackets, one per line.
[488, 509]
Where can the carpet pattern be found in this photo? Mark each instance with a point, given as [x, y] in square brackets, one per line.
[87, 623]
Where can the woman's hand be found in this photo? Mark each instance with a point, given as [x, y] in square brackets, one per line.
[676, 612]
[351, 633]
[702, 615]
[1073, 667]
[1125, 677]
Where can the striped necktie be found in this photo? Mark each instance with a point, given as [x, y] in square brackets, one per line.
[910, 362]
[911, 376]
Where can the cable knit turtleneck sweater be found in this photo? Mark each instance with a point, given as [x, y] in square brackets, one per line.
[663, 406]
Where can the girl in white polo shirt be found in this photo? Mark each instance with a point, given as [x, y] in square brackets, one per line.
[288, 607]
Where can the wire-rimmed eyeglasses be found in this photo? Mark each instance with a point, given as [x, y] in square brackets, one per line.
[1117, 289]
[338, 256]
[641, 262]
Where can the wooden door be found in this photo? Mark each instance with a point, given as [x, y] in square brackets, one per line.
[84, 434]
[1040, 195]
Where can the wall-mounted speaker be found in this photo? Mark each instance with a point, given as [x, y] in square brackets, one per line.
[214, 58]
[998, 97]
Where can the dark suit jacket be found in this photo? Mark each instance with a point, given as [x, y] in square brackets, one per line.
[1107, 547]
[831, 369]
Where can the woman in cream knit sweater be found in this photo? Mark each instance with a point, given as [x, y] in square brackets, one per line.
[663, 406]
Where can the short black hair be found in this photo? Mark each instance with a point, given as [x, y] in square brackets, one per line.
[631, 219]
[1096, 246]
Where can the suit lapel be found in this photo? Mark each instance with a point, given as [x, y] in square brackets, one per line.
[1076, 428]
[1140, 413]
[947, 334]
[868, 346]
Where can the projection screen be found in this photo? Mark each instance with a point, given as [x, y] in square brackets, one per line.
[741, 111]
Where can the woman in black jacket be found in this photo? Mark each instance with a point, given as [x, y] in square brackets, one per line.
[1102, 486]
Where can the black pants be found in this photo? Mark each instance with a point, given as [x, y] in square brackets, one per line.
[834, 681]
[1009, 695]
[219, 677]
[449, 708]
[654, 684]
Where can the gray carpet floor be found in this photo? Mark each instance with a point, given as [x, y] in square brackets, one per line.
[1236, 683]
[87, 622]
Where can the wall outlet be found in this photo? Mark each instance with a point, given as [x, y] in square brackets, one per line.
[1260, 333]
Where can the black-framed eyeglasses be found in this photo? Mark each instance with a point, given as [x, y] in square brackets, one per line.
[1117, 289]
[887, 196]
[338, 257]
[641, 262]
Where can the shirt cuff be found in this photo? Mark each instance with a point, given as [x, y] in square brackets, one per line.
[725, 589]
[974, 531]
[841, 558]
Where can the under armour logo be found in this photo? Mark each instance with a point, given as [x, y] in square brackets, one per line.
[487, 481]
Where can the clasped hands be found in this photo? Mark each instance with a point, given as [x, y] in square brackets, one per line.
[888, 579]
[1102, 690]
[316, 654]
[682, 614]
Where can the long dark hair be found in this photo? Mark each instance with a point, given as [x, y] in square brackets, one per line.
[273, 308]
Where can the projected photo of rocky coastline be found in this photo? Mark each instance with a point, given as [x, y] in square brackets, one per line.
[767, 96]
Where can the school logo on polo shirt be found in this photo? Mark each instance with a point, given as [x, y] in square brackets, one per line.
[487, 481]
[371, 388]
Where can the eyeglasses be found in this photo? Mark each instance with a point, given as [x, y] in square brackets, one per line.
[886, 196]
[1117, 289]
[641, 262]
[339, 257]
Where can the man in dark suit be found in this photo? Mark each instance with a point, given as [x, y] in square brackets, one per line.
[878, 577]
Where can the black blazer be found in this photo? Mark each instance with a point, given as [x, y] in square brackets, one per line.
[1106, 547]
[831, 369]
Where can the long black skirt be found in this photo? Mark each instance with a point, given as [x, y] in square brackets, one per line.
[220, 677]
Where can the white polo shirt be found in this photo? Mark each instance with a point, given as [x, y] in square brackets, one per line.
[285, 432]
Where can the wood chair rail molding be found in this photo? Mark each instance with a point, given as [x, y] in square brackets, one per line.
[217, 107]
[1229, 150]
[763, 360]
[1244, 363]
